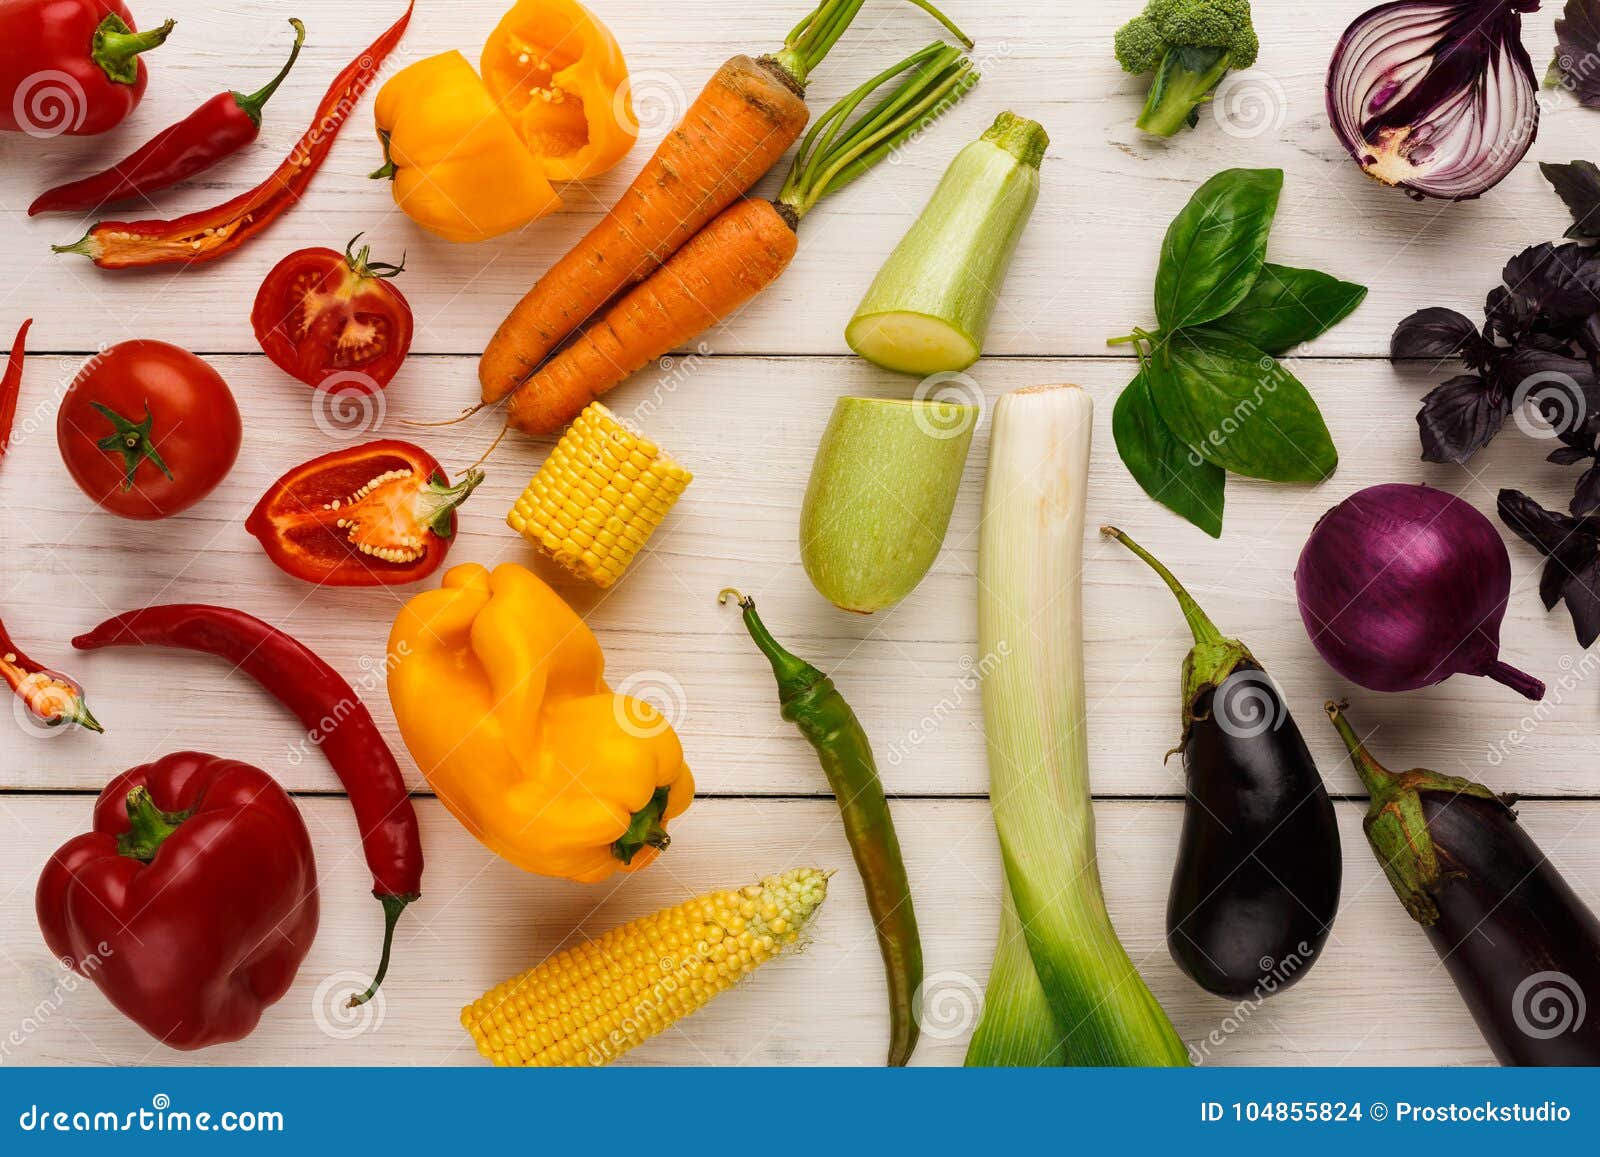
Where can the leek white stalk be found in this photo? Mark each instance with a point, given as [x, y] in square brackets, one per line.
[1063, 990]
[929, 308]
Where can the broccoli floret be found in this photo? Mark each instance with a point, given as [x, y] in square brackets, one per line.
[1190, 45]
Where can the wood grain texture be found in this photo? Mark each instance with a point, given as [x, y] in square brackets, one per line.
[745, 414]
[1379, 996]
[1083, 273]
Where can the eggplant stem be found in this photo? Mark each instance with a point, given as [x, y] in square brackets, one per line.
[1205, 631]
[1377, 779]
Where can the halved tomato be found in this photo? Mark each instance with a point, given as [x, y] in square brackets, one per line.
[333, 320]
[381, 514]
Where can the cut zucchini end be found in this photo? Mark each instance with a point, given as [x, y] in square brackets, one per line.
[911, 343]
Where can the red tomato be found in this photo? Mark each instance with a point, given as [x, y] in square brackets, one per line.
[147, 429]
[382, 514]
[333, 320]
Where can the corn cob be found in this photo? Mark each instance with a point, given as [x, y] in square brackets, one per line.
[590, 1004]
[599, 497]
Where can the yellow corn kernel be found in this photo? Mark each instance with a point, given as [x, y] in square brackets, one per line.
[641, 978]
[599, 497]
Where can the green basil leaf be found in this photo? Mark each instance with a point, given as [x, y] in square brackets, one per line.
[1215, 248]
[1240, 408]
[1170, 472]
[1287, 307]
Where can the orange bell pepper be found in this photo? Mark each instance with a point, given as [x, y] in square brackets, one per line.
[558, 73]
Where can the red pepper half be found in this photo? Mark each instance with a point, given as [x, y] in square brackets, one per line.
[210, 233]
[334, 717]
[11, 386]
[381, 514]
[51, 698]
[71, 66]
[213, 132]
[193, 901]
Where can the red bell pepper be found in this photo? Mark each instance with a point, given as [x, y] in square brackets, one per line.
[380, 514]
[71, 66]
[193, 901]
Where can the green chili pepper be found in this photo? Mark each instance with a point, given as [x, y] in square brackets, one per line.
[810, 701]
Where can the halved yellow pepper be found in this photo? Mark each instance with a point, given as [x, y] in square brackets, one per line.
[560, 76]
[460, 169]
[499, 689]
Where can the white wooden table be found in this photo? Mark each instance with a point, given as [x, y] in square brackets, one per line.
[745, 414]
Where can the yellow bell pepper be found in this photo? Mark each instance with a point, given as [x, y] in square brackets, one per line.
[460, 169]
[499, 689]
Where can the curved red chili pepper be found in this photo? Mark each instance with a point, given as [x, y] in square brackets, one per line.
[213, 132]
[210, 233]
[331, 713]
[11, 386]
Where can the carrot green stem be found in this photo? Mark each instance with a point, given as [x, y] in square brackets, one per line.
[810, 41]
[836, 152]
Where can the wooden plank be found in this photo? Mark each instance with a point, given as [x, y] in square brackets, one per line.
[1083, 274]
[1380, 996]
[748, 428]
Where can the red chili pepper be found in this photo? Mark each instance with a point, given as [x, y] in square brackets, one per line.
[192, 903]
[11, 386]
[381, 514]
[70, 66]
[213, 132]
[210, 233]
[51, 698]
[333, 716]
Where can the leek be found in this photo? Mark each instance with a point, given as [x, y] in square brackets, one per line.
[1063, 990]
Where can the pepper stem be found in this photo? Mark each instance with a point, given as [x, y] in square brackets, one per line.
[646, 830]
[795, 676]
[252, 104]
[392, 907]
[438, 502]
[389, 169]
[115, 47]
[832, 154]
[148, 826]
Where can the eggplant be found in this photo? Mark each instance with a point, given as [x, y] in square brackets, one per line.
[1521, 947]
[1256, 886]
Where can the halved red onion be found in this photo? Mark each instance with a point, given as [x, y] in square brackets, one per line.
[1436, 96]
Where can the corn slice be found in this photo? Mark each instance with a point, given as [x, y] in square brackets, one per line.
[599, 497]
[590, 1004]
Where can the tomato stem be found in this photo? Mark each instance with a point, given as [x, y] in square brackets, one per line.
[132, 442]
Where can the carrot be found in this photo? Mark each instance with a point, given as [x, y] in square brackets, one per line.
[746, 117]
[723, 266]
[742, 251]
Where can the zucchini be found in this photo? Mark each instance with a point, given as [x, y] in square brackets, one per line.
[928, 311]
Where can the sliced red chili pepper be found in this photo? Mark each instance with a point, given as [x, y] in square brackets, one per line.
[210, 233]
[213, 132]
[380, 514]
[11, 386]
[51, 698]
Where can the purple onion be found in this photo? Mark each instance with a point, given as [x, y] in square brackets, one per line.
[1402, 587]
[1436, 96]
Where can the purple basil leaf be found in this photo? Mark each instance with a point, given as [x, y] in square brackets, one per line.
[1436, 333]
[1578, 50]
[1577, 566]
[1459, 418]
[1572, 549]
[1569, 455]
[1508, 315]
[1586, 496]
[1558, 282]
[1542, 529]
[1564, 388]
[1578, 185]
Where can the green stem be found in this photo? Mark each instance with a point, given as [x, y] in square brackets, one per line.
[132, 441]
[392, 907]
[647, 829]
[1024, 139]
[1380, 782]
[148, 826]
[794, 675]
[438, 502]
[252, 104]
[115, 47]
[1205, 631]
[833, 153]
[389, 169]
